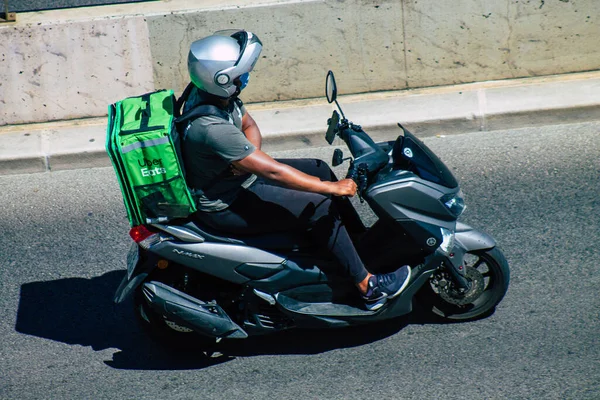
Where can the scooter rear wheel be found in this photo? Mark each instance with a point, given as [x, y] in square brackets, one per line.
[489, 275]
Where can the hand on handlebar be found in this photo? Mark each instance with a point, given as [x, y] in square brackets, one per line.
[345, 187]
[358, 175]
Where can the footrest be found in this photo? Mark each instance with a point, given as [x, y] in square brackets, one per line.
[320, 309]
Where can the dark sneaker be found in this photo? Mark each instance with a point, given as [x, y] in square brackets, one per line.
[384, 287]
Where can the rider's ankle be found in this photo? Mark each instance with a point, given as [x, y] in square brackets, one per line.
[363, 286]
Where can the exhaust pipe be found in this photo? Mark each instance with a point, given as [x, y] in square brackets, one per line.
[205, 318]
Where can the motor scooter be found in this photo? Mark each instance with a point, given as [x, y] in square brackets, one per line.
[186, 278]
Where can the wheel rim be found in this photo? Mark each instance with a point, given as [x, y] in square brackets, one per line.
[476, 279]
[485, 275]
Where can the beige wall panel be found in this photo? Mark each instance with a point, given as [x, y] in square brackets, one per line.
[67, 64]
[302, 41]
[554, 36]
[456, 41]
[476, 40]
[65, 71]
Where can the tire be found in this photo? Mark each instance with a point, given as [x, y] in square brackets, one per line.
[487, 270]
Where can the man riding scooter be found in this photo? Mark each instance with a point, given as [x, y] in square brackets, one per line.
[240, 189]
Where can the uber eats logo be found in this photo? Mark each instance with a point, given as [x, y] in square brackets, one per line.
[151, 167]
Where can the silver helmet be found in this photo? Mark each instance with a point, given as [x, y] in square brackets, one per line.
[219, 64]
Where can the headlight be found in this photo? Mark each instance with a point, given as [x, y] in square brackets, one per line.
[454, 203]
[447, 240]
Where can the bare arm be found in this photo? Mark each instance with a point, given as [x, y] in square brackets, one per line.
[262, 164]
[251, 130]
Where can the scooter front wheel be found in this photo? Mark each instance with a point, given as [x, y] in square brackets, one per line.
[489, 275]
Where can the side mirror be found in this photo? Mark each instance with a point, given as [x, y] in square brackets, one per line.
[338, 157]
[330, 87]
[331, 91]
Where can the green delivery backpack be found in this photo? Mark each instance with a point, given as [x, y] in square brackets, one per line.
[143, 145]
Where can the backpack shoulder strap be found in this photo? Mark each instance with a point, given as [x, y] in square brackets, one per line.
[201, 110]
[182, 99]
[197, 112]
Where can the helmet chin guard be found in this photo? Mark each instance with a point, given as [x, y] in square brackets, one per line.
[216, 63]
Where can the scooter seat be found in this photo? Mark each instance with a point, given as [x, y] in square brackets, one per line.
[268, 241]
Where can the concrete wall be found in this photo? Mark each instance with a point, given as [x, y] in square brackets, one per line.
[68, 64]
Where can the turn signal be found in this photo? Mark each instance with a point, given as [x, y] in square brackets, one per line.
[162, 264]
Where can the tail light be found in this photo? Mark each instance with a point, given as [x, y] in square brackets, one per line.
[144, 236]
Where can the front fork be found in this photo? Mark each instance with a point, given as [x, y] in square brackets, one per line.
[466, 240]
[454, 263]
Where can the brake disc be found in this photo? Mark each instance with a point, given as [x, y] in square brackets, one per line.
[452, 296]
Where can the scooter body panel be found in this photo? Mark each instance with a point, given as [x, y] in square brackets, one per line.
[216, 259]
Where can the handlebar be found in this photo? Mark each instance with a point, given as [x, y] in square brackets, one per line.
[352, 173]
[359, 175]
[368, 156]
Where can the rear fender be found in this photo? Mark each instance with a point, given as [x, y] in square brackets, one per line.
[138, 267]
[128, 286]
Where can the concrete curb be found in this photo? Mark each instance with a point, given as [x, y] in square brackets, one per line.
[484, 106]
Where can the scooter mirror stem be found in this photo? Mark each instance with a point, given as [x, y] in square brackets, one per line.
[340, 108]
[338, 158]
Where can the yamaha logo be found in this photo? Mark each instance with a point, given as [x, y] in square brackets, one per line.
[431, 242]
[408, 152]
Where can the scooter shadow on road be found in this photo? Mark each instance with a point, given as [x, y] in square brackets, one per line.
[80, 311]
[303, 341]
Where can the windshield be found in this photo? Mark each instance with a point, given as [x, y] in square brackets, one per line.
[411, 154]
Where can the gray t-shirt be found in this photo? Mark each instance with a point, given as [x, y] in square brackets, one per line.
[209, 146]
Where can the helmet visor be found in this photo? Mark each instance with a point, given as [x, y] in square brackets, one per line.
[244, 78]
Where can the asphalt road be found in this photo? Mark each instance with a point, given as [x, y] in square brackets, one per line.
[62, 251]
[39, 5]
